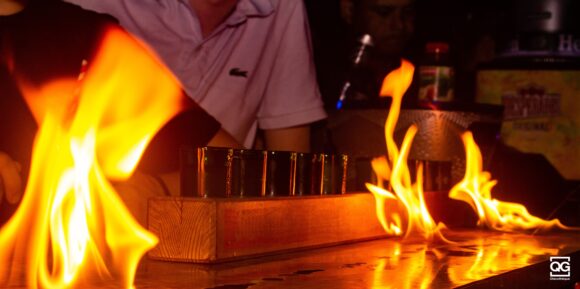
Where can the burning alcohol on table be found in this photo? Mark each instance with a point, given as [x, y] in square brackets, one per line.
[402, 210]
[419, 222]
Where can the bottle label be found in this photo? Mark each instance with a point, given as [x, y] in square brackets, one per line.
[436, 83]
[540, 113]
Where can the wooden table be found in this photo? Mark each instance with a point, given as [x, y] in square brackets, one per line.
[478, 259]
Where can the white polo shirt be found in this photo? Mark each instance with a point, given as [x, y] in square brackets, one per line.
[254, 71]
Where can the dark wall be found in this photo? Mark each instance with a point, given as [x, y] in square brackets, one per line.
[468, 26]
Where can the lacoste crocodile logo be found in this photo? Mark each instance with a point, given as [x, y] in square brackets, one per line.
[238, 72]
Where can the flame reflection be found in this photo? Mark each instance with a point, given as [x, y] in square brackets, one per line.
[415, 272]
[492, 256]
[421, 265]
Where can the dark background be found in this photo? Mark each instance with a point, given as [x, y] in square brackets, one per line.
[478, 32]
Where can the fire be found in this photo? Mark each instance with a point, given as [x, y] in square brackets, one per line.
[475, 189]
[71, 225]
[407, 199]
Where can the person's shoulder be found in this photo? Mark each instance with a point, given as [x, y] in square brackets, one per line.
[282, 5]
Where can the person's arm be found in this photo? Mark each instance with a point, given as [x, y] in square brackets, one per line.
[288, 139]
[10, 7]
[10, 180]
[223, 139]
[292, 100]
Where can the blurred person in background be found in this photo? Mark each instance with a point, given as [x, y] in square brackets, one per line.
[338, 29]
[391, 25]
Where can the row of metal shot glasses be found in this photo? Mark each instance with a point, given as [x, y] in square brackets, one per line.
[220, 172]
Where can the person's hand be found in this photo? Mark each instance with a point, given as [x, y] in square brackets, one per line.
[10, 180]
[136, 192]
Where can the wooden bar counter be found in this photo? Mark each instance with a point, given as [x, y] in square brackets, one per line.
[214, 230]
[478, 259]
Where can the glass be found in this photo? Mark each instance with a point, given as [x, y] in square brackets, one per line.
[249, 174]
[280, 173]
[215, 172]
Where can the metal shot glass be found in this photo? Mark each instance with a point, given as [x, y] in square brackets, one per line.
[303, 180]
[341, 172]
[215, 172]
[330, 174]
[327, 174]
[317, 182]
[280, 173]
[249, 173]
[363, 173]
[188, 171]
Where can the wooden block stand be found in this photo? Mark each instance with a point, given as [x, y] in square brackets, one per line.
[215, 230]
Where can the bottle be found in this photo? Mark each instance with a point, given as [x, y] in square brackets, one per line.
[436, 75]
[365, 42]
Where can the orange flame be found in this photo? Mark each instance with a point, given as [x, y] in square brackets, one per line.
[407, 197]
[395, 85]
[71, 225]
[475, 189]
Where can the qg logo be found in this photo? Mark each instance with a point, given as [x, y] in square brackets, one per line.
[559, 268]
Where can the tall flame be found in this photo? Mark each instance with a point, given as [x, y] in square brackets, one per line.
[407, 199]
[71, 225]
[475, 189]
[395, 85]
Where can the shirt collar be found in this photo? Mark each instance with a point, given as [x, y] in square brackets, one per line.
[244, 10]
[250, 8]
